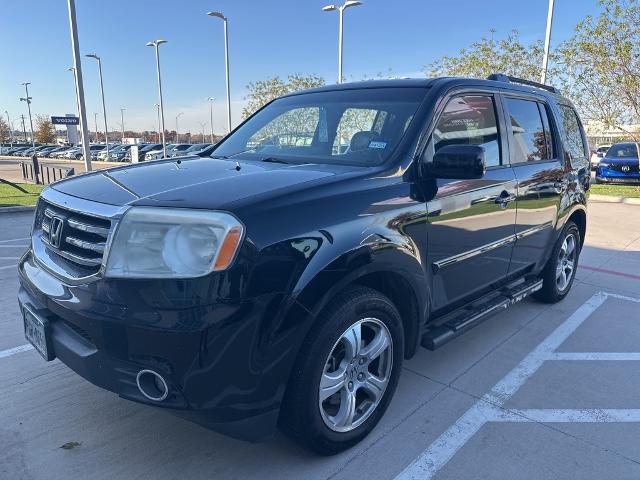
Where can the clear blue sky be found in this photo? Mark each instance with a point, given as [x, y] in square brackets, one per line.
[266, 38]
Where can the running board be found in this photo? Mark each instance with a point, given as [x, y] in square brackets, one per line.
[465, 318]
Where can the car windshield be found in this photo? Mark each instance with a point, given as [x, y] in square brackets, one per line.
[624, 150]
[146, 148]
[196, 148]
[350, 127]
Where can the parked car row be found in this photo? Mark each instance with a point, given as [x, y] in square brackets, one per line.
[117, 152]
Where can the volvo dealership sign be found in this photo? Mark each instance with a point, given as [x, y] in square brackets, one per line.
[65, 120]
[71, 122]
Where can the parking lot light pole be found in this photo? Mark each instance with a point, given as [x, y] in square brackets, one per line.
[226, 61]
[122, 120]
[211, 100]
[547, 43]
[340, 9]
[75, 48]
[177, 135]
[10, 125]
[202, 125]
[158, 112]
[75, 81]
[104, 107]
[156, 44]
[28, 100]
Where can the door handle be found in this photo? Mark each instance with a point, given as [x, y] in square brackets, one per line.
[505, 199]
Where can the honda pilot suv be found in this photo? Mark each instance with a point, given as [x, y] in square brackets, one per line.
[282, 281]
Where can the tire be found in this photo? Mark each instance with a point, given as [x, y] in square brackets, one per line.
[326, 426]
[554, 288]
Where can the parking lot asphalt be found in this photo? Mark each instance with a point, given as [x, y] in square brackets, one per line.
[538, 391]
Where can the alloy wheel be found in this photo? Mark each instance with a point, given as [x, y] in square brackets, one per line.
[355, 375]
[566, 264]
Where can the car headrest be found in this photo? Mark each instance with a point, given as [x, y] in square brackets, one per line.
[360, 140]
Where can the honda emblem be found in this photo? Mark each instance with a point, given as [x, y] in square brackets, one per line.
[55, 231]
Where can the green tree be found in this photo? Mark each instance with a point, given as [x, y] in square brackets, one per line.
[490, 55]
[262, 92]
[602, 65]
[5, 133]
[45, 132]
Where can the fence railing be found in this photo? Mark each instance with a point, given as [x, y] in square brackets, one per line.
[44, 174]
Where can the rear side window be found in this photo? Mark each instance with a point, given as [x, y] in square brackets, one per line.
[469, 120]
[531, 140]
[572, 133]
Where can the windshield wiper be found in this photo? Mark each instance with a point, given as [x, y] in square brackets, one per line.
[273, 160]
[224, 157]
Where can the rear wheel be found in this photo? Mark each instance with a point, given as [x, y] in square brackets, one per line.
[560, 270]
[346, 373]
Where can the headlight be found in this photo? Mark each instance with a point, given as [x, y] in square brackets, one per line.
[172, 243]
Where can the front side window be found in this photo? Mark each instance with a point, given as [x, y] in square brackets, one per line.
[573, 135]
[469, 120]
[350, 127]
[530, 142]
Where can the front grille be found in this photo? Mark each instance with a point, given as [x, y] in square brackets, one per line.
[630, 169]
[77, 238]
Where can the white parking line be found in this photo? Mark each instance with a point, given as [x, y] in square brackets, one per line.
[489, 407]
[9, 258]
[596, 356]
[8, 266]
[597, 415]
[12, 351]
[14, 246]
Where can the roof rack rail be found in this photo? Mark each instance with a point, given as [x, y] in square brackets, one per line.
[501, 77]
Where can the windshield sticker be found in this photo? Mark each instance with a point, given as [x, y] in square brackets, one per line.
[378, 145]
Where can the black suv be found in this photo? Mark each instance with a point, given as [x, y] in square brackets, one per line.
[283, 281]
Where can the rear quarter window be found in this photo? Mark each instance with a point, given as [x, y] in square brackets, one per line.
[572, 132]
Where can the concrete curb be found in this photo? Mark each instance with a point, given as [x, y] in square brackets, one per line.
[18, 208]
[613, 199]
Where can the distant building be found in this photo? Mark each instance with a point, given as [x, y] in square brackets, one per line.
[600, 134]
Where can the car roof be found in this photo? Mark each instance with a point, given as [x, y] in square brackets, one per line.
[445, 82]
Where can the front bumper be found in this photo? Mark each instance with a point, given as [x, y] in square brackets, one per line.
[211, 355]
[606, 175]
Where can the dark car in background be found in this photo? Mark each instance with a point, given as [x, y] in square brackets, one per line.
[283, 281]
[621, 164]
[199, 149]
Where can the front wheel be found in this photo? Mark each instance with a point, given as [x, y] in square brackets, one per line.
[346, 373]
[560, 271]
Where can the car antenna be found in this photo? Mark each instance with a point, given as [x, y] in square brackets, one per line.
[238, 167]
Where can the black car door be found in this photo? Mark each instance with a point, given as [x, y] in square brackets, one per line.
[539, 171]
[471, 230]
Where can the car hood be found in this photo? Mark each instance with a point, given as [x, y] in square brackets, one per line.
[194, 182]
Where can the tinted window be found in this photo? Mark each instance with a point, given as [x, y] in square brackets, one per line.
[530, 143]
[623, 150]
[572, 134]
[469, 120]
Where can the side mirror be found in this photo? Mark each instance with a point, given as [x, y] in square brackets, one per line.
[462, 162]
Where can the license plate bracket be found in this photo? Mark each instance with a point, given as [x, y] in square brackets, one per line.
[37, 330]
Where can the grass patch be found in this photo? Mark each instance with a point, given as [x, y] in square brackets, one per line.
[632, 191]
[10, 196]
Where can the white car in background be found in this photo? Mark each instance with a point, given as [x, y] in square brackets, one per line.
[599, 153]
